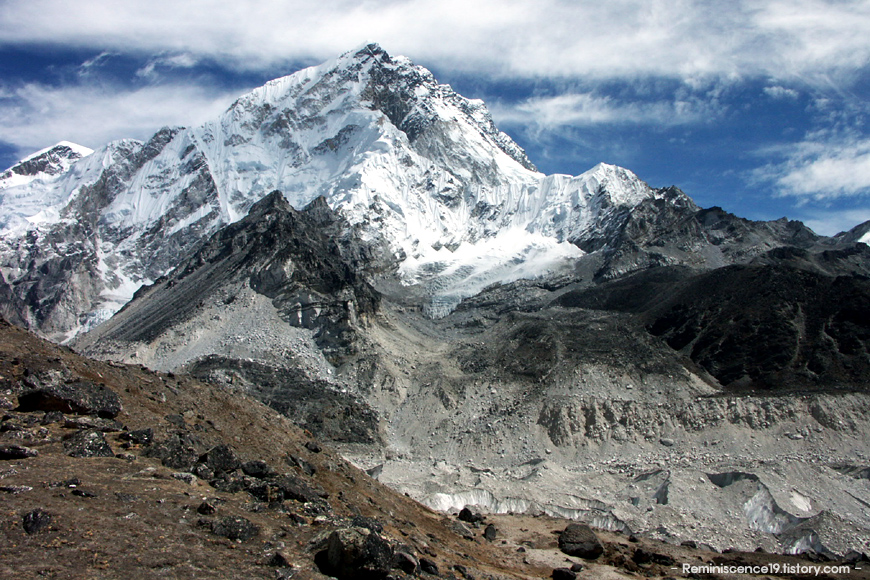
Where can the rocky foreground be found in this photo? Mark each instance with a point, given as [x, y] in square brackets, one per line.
[115, 471]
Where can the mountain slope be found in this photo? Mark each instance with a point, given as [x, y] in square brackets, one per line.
[498, 402]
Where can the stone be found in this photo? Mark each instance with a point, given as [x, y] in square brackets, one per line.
[11, 452]
[139, 436]
[462, 530]
[667, 442]
[179, 452]
[490, 532]
[15, 489]
[36, 521]
[429, 566]
[306, 467]
[466, 515]
[313, 447]
[294, 488]
[257, 468]
[579, 540]
[367, 523]
[235, 528]
[98, 423]
[51, 417]
[280, 560]
[184, 476]
[206, 509]
[221, 459]
[87, 443]
[359, 553]
[406, 562]
[576, 567]
[81, 397]
[563, 574]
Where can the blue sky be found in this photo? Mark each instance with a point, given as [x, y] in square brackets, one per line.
[760, 107]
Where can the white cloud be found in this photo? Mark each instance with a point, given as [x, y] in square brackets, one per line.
[829, 223]
[149, 71]
[34, 116]
[684, 39]
[778, 92]
[822, 167]
[584, 109]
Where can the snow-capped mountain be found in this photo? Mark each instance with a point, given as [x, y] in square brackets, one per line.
[415, 169]
[407, 161]
[32, 184]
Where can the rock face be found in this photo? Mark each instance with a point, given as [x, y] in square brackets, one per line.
[579, 540]
[82, 397]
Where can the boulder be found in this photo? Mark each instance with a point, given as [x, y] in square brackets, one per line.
[10, 452]
[221, 459]
[36, 521]
[466, 515]
[258, 468]
[179, 452]
[359, 553]
[563, 574]
[81, 397]
[87, 443]
[296, 489]
[579, 540]
[429, 566]
[406, 562]
[490, 532]
[235, 528]
[139, 436]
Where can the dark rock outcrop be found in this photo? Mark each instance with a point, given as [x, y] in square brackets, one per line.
[579, 540]
[82, 397]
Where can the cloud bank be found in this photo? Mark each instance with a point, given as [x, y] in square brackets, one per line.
[686, 39]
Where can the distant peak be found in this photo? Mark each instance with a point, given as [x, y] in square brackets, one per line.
[274, 200]
[66, 148]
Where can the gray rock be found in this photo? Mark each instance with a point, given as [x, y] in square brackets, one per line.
[10, 452]
[139, 436]
[579, 540]
[406, 562]
[87, 443]
[180, 451]
[259, 469]
[429, 566]
[82, 397]
[36, 521]
[221, 459]
[235, 528]
[359, 553]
